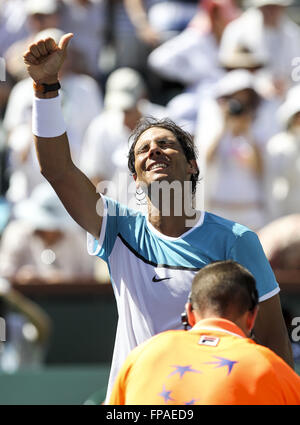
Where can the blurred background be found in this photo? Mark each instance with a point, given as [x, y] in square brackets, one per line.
[228, 72]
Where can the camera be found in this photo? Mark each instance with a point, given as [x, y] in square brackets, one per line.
[236, 108]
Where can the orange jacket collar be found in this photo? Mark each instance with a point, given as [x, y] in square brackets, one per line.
[220, 325]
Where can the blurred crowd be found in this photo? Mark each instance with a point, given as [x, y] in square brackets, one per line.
[227, 71]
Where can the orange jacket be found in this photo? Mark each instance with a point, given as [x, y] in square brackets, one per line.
[213, 363]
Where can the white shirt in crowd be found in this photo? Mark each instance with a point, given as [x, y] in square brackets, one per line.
[21, 247]
[283, 174]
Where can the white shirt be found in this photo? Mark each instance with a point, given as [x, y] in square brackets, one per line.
[232, 181]
[20, 247]
[283, 174]
[189, 58]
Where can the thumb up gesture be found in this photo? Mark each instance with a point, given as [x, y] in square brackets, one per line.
[44, 59]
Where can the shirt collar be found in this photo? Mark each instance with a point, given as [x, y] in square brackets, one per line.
[221, 325]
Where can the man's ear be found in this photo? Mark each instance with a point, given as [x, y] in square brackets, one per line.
[193, 166]
[251, 318]
[190, 314]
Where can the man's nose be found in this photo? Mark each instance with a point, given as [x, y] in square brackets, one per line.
[154, 150]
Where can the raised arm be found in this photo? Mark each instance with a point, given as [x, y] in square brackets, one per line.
[44, 60]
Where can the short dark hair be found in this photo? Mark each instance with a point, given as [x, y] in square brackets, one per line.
[225, 288]
[184, 138]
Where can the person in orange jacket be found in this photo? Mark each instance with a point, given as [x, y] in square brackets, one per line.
[214, 363]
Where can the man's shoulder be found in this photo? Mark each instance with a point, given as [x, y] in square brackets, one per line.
[224, 226]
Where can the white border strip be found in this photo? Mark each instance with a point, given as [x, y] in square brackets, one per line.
[269, 294]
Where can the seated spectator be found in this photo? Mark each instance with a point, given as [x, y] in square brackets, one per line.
[283, 160]
[40, 16]
[216, 362]
[27, 330]
[191, 57]
[267, 26]
[86, 19]
[170, 17]
[42, 245]
[234, 166]
[12, 23]
[133, 36]
[280, 240]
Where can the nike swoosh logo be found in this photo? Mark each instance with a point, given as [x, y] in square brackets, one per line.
[155, 279]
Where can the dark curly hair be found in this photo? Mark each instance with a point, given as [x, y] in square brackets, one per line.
[183, 137]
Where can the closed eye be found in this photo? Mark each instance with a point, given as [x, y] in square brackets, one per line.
[163, 143]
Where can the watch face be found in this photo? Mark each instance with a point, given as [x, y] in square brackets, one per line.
[51, 87]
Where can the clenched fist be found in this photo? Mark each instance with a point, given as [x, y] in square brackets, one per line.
[44, 59]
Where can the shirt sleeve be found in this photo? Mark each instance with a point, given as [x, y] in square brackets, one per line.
[111, 225]
[248, 252]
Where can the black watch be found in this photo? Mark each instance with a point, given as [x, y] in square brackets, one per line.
[45, 88]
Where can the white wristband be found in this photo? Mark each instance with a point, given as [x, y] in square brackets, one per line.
[47, 118]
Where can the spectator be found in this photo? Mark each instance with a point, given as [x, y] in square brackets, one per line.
[107, 136]
[40, 16]
[12, 23]
[191, 58]
[42, 244]
[281, 242]
[162, 20]
[234, 165]
[267, 26]
[216, 362]
[86, 19]
[283, 159]
[133, 36]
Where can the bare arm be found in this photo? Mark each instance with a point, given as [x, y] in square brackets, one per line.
[44, 60]
[270, 329]
[138, 16]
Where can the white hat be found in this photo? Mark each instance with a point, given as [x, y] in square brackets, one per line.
[43, 7]
[243, 57]
[234, 81]
[43, 210]
[290, 107]
[261, 3]
[124, 88]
